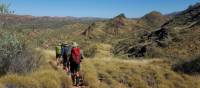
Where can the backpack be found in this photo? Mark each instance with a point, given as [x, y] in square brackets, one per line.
[66, 51]
[58, 49]
[76, 55]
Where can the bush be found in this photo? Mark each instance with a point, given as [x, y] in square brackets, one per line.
[15, 57]
[9, 49]
[154, 52]
[191, 67]
[26, 62]
[90, 51]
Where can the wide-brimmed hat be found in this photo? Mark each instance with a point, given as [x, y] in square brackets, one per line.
[59, 44]
[74, 44]
[65, 43]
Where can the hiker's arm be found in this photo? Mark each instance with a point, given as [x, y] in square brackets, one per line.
[82, 57]
[61, 56]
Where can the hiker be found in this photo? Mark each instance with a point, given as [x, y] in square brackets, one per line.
[58, 53]
[75, 60]
[65, 53]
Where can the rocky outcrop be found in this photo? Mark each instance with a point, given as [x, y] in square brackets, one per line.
[171, 35]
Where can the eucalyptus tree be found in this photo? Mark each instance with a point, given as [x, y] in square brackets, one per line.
[4, 11]
[4, 8]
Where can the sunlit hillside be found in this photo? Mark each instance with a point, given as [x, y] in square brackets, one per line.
[155, 50]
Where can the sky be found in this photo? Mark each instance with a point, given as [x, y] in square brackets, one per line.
[96, 8]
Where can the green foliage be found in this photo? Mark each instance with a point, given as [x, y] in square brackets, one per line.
[15, 57]
[10, 48]
[4, 8]
[122, 15]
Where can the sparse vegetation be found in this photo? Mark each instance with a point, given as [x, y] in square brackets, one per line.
[120, 52]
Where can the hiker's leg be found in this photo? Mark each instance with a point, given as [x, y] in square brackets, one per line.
[57, 59]
[73, 76]
[73, 72]
[67, 64]
[77, 70]
[68, 67]
[77, 80]
[73, 79]
[64, 64]
[77, 74]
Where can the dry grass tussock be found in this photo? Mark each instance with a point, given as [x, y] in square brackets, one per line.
[2, 86]
[117, 73]
[103, 50]
[43, 77]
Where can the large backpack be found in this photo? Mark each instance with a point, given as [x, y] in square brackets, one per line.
[66, 51]
[76, 55]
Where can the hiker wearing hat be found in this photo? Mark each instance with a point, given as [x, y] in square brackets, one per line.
[65, 53]
[58, 53]
[75, 60]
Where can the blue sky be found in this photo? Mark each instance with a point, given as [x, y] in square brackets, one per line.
[96, 8]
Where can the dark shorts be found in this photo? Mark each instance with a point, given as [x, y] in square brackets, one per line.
[58, 55]
[74, 67]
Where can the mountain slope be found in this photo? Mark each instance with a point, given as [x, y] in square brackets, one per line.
[181, 31]
[153, 20]
[27, 21]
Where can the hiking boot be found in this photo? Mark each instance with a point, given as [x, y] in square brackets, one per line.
[73, 80]
[77, 81]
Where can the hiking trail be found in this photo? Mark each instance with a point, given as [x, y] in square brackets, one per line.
[50, 58]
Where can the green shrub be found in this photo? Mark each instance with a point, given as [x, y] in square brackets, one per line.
[9, 50]
[15, 57]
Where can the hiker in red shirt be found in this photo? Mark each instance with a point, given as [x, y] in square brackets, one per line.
[75, 60]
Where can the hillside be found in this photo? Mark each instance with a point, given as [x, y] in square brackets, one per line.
[181, 31]
[120, 27]
[28, 21]
[114, 26]
[153, 20]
